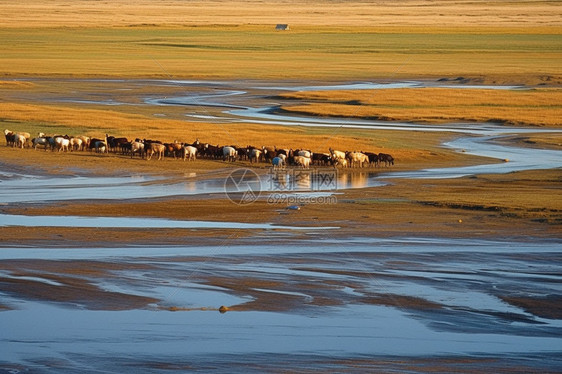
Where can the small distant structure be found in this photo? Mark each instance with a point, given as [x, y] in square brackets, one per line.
[282, 27]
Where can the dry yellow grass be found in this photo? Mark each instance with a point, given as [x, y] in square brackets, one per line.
[409, 149]
[540, 107]
[79, 13]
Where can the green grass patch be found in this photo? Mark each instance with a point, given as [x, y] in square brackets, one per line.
[259, 52]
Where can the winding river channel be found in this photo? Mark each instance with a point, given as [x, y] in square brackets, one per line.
[345, 305]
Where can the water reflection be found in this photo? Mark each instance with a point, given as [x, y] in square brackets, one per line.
[324, 179]
[29, 188]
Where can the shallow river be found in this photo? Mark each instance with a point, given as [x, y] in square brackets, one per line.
[341, 302]
[354, 305]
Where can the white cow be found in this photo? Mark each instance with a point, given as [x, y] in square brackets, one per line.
[337, 154]
[76, 144]
[137, 147]
[302, 161]
[62, 143]
[229, 153]
[152, 148]
[357, 158]
[85, 141]
[255, 154]
[189, 153]
[19, 140]
[304, 153]
[338, 158]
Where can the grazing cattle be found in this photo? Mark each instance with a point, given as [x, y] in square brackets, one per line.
[174, 149]
[278, 163]
[373, 158]
[137, 147]
[27, 137]
[303, 153]
[92, 143]
[114, 143]
[85, 141]
[41, 141]
[10, 137]
[189, 153]
[19, 141]
[243, 153]
[152, 147]
[322, 159]
[229, 153]
[284, 151]
[255, 155]
[386, 158]
[337, 154]
[302, 161]
[214, 151]
[76, 144]
[279, 158]
[340, 161]
[269, 153]
[338, 158]
[357, 159]
[126, 148]
[200, 147]
[16, 139]
[100, 146]
[62, 143]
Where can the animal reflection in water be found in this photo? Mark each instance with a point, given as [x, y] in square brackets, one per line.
[328, 179]
[354, 180]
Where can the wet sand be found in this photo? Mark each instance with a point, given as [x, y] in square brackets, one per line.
[425, 305]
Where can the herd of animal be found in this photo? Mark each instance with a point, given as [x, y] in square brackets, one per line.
[147, 148]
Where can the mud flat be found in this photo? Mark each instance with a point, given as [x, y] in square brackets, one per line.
[378, 304]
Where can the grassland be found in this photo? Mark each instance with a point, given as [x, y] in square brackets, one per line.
[259, 52]
[468, 13]
[539, 107]
[502, 42]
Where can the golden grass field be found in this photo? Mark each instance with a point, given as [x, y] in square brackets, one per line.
[485, 42]
[538, 107]
[468, 13]
[502, 42]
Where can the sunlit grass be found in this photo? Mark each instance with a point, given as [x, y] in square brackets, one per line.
[257, 52]
[410, 148]
[540, 107]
